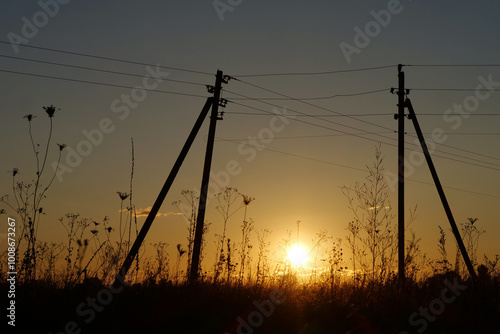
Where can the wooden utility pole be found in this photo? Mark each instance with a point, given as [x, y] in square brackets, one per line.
[401, 175]
[200, 221]
[161, 196]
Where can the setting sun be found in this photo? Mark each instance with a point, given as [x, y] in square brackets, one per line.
[297, 255]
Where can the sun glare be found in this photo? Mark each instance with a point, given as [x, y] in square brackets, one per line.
[297, 255]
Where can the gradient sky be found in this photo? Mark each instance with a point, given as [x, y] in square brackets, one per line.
[256, 37]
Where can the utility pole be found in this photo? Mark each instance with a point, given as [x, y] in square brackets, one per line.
[161, 196]
[401, 176]
[198, 238]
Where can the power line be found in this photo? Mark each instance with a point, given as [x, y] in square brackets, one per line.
[290, 154]
[303, 115]
[107, 58]
[177, 93]
[453, 188]
[313, 98]
[314, 73]
[342, 115]
[314, 124]
[437, 114]
[234, 141]
[374, 140]
[308, 136]
[454, 89]
[351, 116]
[95, 69]
[470, 133]
[468, 151]
[308, 103]
[453, 65]
[194, 95]
[244, 75]
[354, 134]
[98, 83]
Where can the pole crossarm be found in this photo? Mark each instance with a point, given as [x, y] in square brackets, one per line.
[440, 190]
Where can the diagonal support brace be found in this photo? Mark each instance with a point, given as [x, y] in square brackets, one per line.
[440, 190]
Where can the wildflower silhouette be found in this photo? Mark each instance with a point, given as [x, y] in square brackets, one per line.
[29, 117]
[29, 197]
[180, 250]
[123, 196]
[121, 232]
[50, 110]
[247, 199]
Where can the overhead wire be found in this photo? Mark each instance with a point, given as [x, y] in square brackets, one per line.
[306, 115]
[393, 139]
[106, 58]
[202, 96]
[468, 151]
[453, 65]
[98, 83]
[471, 133]
[370, 139]
[307, 103]
[315, 73]
[450, 146]
[289, 154]
[315, 98]
[206, 73]
[95, 69]
[241, 75]
[386, 132]
[346, 115]
[315, 117]
[235, 141]
[454, 89]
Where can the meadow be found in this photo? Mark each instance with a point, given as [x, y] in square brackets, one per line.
[340, 285]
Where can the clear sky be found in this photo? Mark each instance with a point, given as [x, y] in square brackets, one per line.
[299, 175]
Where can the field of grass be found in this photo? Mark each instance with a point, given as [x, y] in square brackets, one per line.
[65, 286]
[440, 304]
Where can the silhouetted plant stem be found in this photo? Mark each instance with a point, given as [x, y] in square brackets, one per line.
[130, 198]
